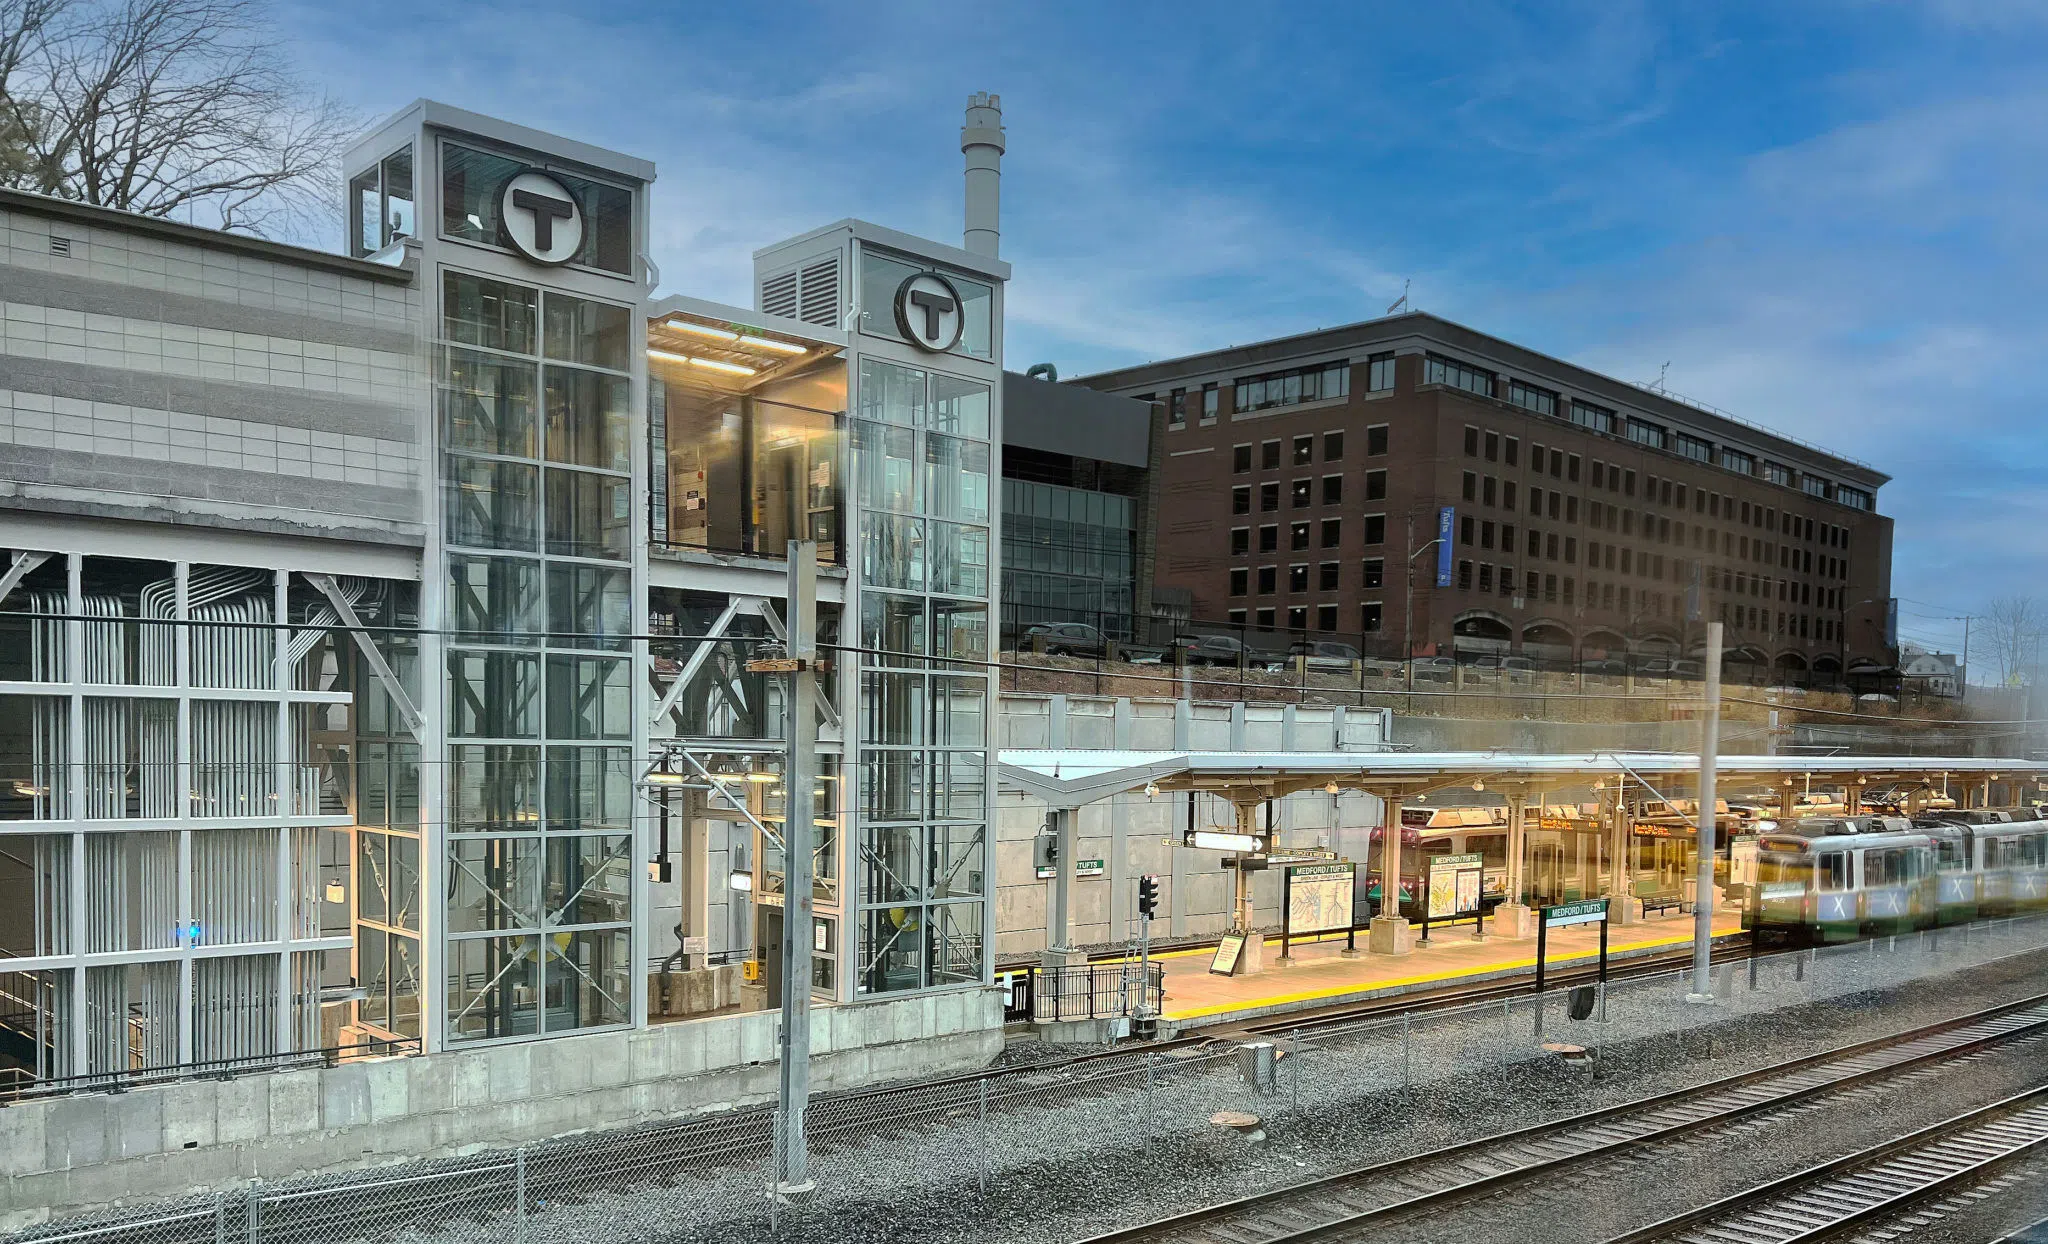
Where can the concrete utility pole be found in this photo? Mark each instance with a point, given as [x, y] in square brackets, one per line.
[799, 778]
[1703, 900]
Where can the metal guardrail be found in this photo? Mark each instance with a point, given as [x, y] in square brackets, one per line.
[24, 1086]
[1082, 991]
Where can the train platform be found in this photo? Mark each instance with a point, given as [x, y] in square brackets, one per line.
[1318, 974]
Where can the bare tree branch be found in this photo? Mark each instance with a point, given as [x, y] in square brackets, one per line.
[2014, 627]
[165, 107]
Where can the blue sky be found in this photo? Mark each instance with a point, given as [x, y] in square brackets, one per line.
[1827, 217]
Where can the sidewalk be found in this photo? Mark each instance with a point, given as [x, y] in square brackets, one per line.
[1319, 975]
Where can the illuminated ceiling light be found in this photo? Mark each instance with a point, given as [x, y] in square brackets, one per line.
[761, 778]
[1478, 785]
[780, 347]
[1209, 840]
[701, 330]
[1330, 787]
[730, 368]
[660, 778]
[1151, 790]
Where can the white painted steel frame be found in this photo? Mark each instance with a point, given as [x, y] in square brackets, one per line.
[79, 827]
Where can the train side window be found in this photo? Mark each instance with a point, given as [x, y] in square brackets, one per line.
[1950, 854]
[1834, 870]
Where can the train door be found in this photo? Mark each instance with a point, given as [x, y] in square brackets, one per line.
[1546, 871]
[1884, 877]
[2030, 877]
[1995, 857]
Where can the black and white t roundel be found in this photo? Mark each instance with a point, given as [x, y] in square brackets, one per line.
[542, 221]
[928, 312]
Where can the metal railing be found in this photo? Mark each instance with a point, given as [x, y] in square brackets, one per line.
[21, 1085]
[1082, 991]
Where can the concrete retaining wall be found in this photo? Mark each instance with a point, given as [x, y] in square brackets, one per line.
[70, 1154]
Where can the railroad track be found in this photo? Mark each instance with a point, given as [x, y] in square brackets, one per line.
[1361, 1201]
[1863, 1188]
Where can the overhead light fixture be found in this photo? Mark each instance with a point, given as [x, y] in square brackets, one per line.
[729, 368]
[337, 892]
[693, 361]
[701, 330]
[760, 778]
[1330, 787]
[1151, 790]
[660, 777]
[1478, 785]
[1210, 840]
[780, 347]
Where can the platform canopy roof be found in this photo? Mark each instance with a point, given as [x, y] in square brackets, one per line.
[1071, 778]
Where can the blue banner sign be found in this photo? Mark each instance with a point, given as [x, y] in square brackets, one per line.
[1446, 519]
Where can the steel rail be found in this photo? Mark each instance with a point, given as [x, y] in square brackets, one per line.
[1852, 1191]
[1316, 1208]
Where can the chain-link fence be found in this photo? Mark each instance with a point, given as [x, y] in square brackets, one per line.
[975, 1137]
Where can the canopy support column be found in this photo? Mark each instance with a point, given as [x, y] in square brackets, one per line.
[1388, 933]
[1513, 917]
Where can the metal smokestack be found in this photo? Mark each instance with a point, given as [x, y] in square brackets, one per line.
[981, 141]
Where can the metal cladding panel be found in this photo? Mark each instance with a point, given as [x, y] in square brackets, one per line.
[1069, 419]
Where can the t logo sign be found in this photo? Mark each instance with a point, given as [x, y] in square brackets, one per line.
[540, 219]
[928, 312]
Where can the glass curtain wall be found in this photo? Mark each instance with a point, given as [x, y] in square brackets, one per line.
[744, 474]
[534, 403]
[923, 489]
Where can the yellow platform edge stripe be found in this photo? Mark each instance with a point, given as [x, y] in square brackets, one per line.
[1359, 987]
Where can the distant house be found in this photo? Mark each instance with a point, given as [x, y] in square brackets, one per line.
[1930, 673]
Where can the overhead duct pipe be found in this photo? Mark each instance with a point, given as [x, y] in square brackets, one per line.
[981, 141]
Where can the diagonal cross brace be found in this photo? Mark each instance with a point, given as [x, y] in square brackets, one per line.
[695, 663]
[23, 563]
[414, 723]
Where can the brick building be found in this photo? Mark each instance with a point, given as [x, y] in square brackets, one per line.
[1304, 479]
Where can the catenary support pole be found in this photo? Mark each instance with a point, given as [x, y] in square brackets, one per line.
[1703, 899]
[799, 777]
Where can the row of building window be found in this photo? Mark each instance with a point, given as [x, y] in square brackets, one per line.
[1315, 383]
[1370, 616]
[1304, 450]
[1332, 534]
[1301, 493]
[1457, 374]
[1328, 576]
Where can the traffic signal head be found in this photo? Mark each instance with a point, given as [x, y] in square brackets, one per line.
[1148, 896]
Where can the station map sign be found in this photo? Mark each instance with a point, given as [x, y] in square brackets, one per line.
[1320, 898]
[1454, 882]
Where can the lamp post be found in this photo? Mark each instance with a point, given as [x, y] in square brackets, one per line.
[1408, 621]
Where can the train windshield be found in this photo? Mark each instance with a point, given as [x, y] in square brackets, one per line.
[1776, 871]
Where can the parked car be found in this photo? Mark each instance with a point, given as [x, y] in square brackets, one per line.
[1212, 649]
[1175, 651]
[1324, 655]
[1520, 669]
[1065, 639]
[1603, 669]
[1435, 669]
